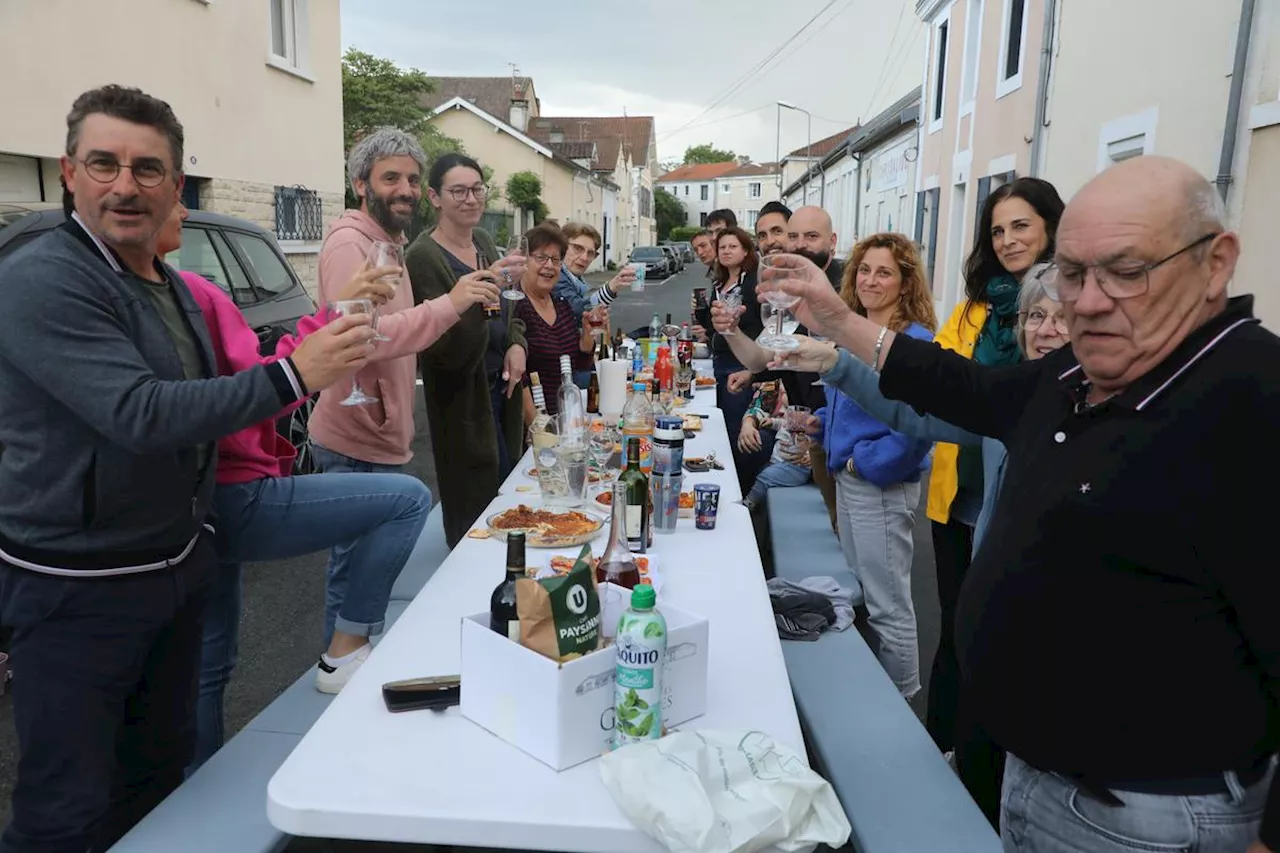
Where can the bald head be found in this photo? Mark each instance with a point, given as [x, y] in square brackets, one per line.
[1144, 259]
[811, 234]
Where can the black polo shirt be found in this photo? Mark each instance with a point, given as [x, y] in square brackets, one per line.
[1121, 620]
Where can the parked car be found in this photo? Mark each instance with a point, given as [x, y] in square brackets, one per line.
[657, 263]
[673, 255]
[685, 250]
[241, 258]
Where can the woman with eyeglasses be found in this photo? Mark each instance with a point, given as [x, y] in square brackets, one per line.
[551, 328]
[1040, 328]
[584, 248]
[469, 374]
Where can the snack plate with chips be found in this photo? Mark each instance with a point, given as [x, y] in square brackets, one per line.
[546, 527]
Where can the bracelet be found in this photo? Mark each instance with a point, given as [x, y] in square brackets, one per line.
[875, 358]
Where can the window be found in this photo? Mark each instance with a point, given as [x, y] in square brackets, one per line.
[939, 74]
[686, 190]
[753, 190]
[702, 219]
[724, 188]
[972, 50]
[1013, 40]
[705, 191]
[299, 215]
[290, 33]
[752, 216]
[198, 255]
[268, 267]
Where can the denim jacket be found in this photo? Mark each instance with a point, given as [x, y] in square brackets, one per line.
[860, 383]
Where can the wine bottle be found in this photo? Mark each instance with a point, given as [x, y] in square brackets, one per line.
[636, 486]
[503, 618]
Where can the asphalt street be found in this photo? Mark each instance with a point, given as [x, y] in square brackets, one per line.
[280, 635]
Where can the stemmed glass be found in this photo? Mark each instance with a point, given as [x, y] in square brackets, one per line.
[603, 439]
[777, 336]
[595, 320]
[517, 247]
[384, 254]
[347, 308]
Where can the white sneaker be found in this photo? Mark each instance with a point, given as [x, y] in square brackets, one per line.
[331, 679]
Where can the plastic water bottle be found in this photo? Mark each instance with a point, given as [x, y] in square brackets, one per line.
[641, 649]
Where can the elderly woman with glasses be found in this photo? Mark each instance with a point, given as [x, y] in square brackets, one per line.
[551, 328]
[584, 244]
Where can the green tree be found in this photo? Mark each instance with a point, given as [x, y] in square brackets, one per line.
[375, 93]
[524, 191]
[683, 233]
[669, 212]
[707, 153]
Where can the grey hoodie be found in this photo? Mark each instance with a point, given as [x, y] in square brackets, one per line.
[99, 474]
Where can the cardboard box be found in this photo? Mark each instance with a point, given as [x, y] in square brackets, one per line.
[562, 714]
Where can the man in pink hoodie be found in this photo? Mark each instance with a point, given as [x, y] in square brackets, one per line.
[385, 169]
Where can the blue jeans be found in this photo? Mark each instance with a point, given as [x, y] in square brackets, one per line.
[377, 517]
[778, 475]
[1046, 813]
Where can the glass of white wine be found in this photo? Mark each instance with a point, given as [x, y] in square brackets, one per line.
[347, 308]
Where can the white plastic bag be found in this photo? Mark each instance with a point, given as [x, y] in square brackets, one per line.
[724, 792]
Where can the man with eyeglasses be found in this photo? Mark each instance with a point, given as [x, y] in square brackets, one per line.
[1117, 630]
[584, 248]
[112, 409]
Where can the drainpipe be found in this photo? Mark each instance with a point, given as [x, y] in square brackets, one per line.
[1226, 161]
[1042, 88]
[857, 200]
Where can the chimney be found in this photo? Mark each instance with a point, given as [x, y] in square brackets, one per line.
[519, 115]
[744, 160]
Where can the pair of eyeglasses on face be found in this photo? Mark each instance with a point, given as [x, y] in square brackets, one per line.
[1117, 279]
[544, 260]
[1035, 318]
[147, 172]
[575, 249]
[459, 194]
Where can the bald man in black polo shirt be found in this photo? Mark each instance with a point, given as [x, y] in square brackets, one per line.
[1118, 630]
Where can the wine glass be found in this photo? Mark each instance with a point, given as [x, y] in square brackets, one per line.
[731, 302]
[595, 320]
[779, 334]
[517, 247]
[384, 254]
[347, 308]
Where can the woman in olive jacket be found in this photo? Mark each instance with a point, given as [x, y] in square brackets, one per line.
[469, 374]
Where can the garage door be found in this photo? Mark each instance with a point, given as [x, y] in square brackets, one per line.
[19, 178]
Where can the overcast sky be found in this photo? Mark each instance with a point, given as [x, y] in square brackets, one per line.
[668, 58]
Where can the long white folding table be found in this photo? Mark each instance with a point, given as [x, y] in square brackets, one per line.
[435, 777]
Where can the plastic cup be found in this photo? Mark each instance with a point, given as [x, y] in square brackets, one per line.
[666, 501]
[706, 501]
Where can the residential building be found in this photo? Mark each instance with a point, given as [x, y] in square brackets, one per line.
[1175, 101]
[978, 121]
[796, 164]
[260, 102]
[619, 140]
[696, 187]
[570, 188]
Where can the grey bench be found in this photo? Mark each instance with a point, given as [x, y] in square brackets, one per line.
[897, 790]
[222, 808]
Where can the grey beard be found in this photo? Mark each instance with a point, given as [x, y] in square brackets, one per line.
[392, 223]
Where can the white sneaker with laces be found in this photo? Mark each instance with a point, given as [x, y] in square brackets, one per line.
[331, 678]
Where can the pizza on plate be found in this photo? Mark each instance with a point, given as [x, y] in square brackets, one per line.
[544, 524]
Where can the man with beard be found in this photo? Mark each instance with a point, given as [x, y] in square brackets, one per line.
[772, 234]
[810, 235]
[385, 169]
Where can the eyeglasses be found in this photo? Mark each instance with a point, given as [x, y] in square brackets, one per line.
[1118, 280]
[459, 194]
[1035, 318]
[147, 172]
[591, 254]
[544, 260]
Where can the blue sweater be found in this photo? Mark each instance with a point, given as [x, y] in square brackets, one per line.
[880, 455]
[575, 291]
[856, 379]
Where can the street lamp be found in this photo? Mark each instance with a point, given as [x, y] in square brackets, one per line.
[808, 148]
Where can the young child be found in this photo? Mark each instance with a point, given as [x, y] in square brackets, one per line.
[789, 461]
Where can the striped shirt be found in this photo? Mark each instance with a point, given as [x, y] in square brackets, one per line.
[548, 342]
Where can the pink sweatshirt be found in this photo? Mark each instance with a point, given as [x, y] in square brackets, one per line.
[258, 451]
[380, 432]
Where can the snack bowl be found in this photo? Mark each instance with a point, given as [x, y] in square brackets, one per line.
[542, 535]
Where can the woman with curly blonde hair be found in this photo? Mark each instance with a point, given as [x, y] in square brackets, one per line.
[877, 470]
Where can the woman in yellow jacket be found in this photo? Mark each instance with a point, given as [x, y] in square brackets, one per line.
[1016, 228]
